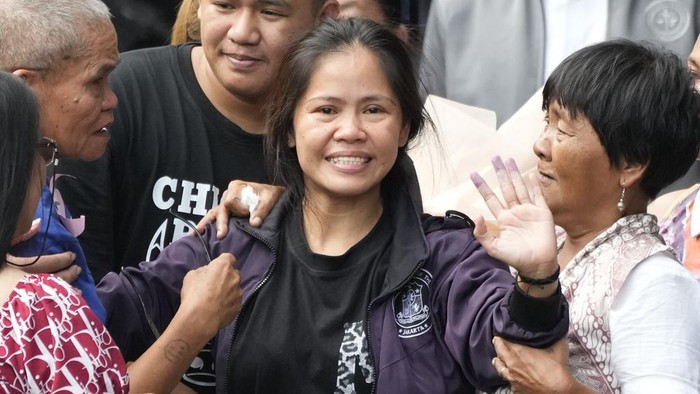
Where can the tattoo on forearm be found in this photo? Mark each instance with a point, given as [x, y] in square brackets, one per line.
[176, 350]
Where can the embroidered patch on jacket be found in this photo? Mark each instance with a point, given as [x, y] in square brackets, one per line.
[411, 310]
[668, 20]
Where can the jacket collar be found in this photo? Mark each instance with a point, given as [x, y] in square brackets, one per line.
[408, 250]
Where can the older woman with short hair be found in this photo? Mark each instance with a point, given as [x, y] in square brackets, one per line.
[623, 121]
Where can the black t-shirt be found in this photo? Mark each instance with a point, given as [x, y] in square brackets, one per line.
[305, 330]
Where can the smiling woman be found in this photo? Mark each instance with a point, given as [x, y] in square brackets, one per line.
[350, 136]
[348, 288]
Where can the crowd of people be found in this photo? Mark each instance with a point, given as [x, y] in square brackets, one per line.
[333, 278]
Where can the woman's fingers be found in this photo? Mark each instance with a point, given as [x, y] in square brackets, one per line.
[500, 367]
[502, 349]
[522, 193]
[504, 181]
[513, 188]
[502, 357]
[487, 194]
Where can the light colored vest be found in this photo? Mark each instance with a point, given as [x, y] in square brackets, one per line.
[590, 283]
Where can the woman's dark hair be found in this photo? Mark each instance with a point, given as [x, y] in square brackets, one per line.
[19, 125]
[336, 35]
[640, 101]
[392, 12]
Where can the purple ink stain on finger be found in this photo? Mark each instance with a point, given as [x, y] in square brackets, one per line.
[512, 165]
[497, 163]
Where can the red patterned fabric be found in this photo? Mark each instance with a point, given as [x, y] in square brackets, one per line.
[51, 342]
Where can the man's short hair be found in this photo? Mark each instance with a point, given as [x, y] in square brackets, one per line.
[40, 34]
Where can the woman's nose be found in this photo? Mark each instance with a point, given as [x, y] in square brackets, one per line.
[350, 128]
[542, 146]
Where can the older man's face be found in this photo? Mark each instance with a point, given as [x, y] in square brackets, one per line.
[76, 101]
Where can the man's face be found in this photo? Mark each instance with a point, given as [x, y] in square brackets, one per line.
[76, 101]
[245, 41]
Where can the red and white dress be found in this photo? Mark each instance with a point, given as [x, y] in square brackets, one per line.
[51, 342]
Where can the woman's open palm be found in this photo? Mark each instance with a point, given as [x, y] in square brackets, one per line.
[526, 239]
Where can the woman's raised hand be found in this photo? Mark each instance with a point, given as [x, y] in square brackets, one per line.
[526, 239]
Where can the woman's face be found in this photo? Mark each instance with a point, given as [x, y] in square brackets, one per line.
[31, 200]
[347, 126]
[574, 171]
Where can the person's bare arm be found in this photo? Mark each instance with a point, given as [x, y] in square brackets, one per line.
[211, 298]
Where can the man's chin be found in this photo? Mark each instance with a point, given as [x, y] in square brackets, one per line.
[94, 152]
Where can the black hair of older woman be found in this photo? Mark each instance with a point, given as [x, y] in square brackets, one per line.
[644, 107]
[19, 125]
[335, 35]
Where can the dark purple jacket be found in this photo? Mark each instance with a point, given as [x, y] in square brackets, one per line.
[430, 330]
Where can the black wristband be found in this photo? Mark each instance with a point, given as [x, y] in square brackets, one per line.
[540, 282]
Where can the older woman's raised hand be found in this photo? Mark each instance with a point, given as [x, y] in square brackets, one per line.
[526, 239]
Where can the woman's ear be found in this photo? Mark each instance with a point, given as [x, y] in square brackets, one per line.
[403, 32]
[330, 9]
[291, 142]
[403, 136]
[632, 173]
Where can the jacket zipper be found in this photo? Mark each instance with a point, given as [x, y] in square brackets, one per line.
[375, 370]
[245, 302]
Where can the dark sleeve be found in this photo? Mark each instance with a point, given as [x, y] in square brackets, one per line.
[536, 314]
[141, 301]
[474, 300]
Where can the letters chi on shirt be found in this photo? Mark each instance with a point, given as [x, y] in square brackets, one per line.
[184, 197]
